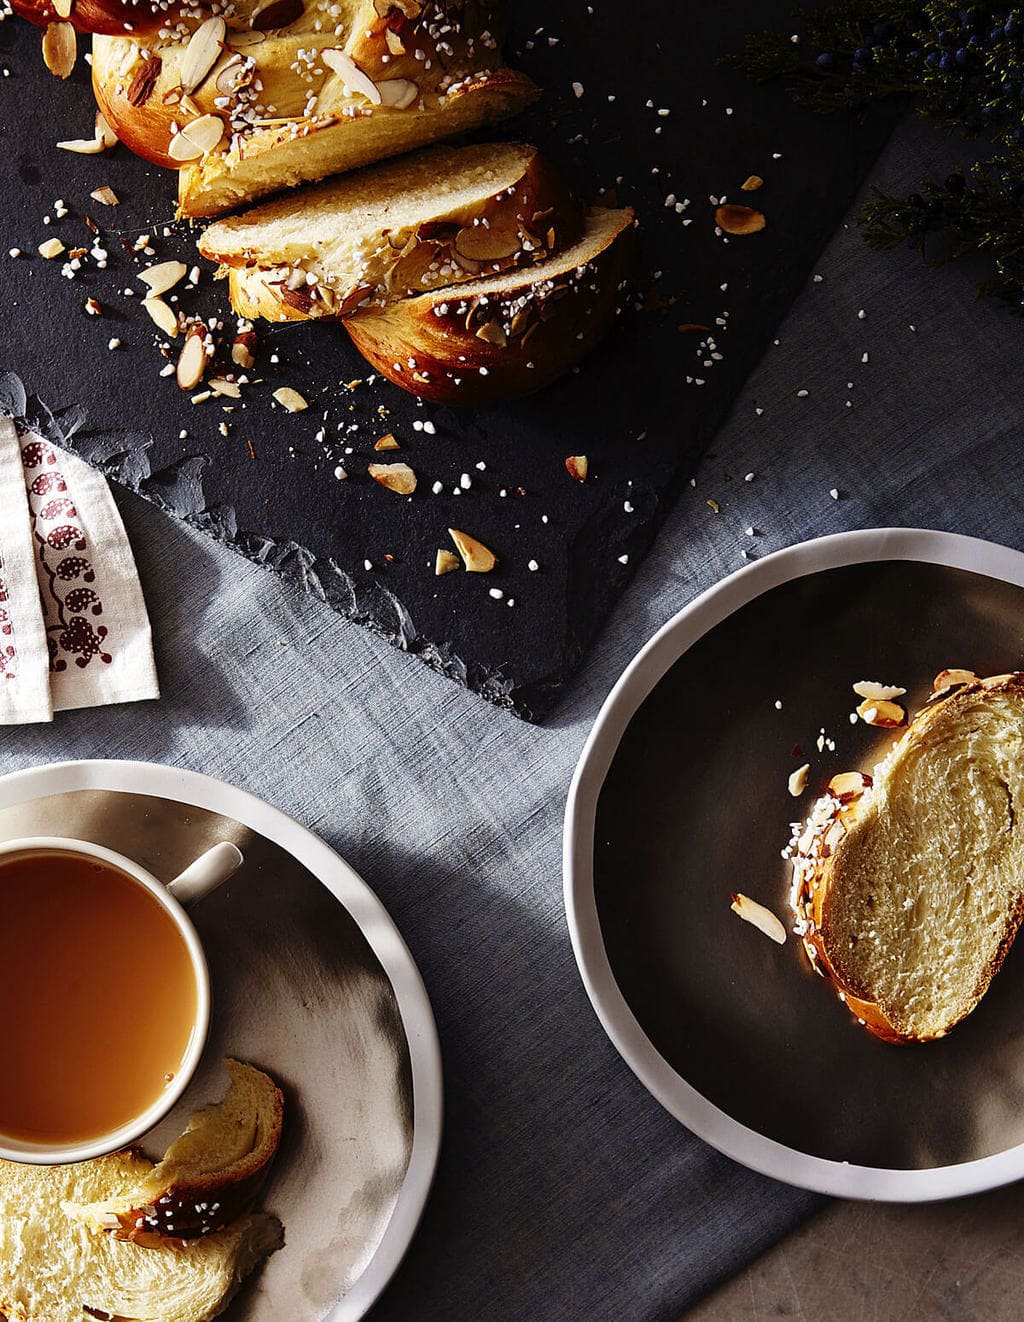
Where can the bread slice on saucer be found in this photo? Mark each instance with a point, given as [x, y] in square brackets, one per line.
[53, 1268]
[502, 336]
[437, 217]
[208, 1176]
[909, 885]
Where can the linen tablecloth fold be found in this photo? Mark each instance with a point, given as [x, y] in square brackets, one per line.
[74, 631]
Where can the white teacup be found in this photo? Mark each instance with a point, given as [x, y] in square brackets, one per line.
[205, 874]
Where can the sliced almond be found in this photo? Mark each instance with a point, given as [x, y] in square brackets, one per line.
[236, 74]
[947, 678]
[192, 360]
[82, 146]
[162, 315]
[242, 350]
[400, 93]
[277, 14]
[221, 386]
[481, 244]
[735, 219]
[105, 195]
[398, 478]
[202, 53]
[870, 688]
[60, 49]
[352, 77]
[752, 183]
[758, 916]
[492, 332]
[394, 41]
[290, 399]
[104, 133]
[51, 248]
[578, 466]
[849, 785]
[386, 442]
[144, 79]
[477, 558]
[196, 139]
[887, 715]
[162, 277]
[798, 780]
[63, 8]
[445, 562]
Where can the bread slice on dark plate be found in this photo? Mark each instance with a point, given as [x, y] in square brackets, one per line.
[434, 218]
[909, 887]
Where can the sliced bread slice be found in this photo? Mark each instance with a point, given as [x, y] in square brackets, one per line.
[291, 91]
[430, 219]
[909, 885]
[507, 335]
[208, 1176]
[53, 1268]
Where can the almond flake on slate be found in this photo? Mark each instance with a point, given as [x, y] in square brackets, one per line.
[735, 219]
[398, 478]
[202, 53]
[798, 780]
[104, 133]
[386, 442]
[221, 386]
[578, 466]
[870, 688]
[752, 183]
[242, 350]
[192, 360]
[887, 715]
[477, 558]
[946, 678]
[163, 315]
[82, 146]
[290, 399]
[162, 277]
[51, 248]
[60, 49]
[445, 562]
[106, 196]
[351, 75]
[196, 139]
[849, 785]
[758, 916]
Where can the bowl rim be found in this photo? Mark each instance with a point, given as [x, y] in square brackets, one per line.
[648, 666]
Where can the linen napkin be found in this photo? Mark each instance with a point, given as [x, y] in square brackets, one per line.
[74, 631]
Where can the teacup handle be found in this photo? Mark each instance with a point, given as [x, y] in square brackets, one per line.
[207, 872]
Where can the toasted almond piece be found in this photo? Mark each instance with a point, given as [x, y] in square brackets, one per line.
[60, 49]
[63, 8]
[735, 219]
[400, 93]
[290, 399]
[870, 688]
[105, 195]
[798, 780]
[849, 785]
[221, 386]
[758, 916]
[947, 678]
[51, 248]
[398, 478]
[196, 139]
[394, 41]
[887, 715]
[386, 442]
[481, 244]
[162, 277]
[202, 53]
[445, 562]
[492, 332]
[82, 146]
[752, 183]
[192, 360]
[92, 306]
[235, 75]
[578, 466]
[242, 349]
[104, 133]
[351, 75]
[475, 556]
[163, 315]
[140, 89]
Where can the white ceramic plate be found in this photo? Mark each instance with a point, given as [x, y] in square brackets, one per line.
[312, 981]
[680, 798]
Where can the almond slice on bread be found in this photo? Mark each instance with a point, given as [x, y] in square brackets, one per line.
[208, 1176]
[392, 230]
[53, 1268]
[910, 893]
[306, 92]
[503, 336]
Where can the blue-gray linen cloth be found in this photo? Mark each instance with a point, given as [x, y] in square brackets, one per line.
[564, 1191]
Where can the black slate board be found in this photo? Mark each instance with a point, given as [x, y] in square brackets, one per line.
[629, 408]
